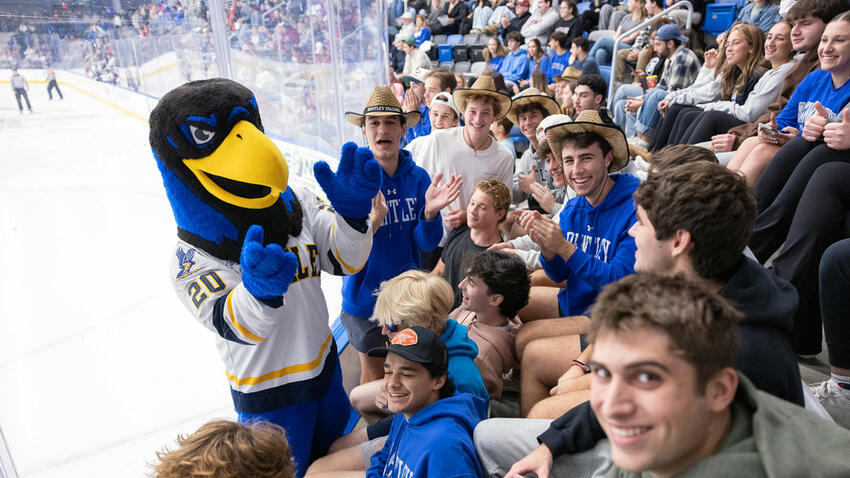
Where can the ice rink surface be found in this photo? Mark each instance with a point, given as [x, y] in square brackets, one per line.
[100, 365]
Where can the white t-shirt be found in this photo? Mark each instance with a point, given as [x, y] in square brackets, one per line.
[445, 151]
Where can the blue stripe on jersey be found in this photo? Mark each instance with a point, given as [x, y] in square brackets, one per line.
[220, 323]
[290, 393]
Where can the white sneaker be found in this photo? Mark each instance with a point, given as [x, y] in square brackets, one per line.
[835, 400]
[638, 142]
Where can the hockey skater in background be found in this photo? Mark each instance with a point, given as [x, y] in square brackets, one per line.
[20, 87]
[51, 83]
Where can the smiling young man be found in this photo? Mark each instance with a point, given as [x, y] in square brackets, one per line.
[438, 80]
[467, 151]
[486, 211]
[496, 286]
[431, 433]
[666, 392]
[405, 221]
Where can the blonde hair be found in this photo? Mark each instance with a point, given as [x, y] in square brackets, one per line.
[414, 298]
[226, 449]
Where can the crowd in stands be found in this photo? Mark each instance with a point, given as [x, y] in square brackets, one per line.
[631, 289]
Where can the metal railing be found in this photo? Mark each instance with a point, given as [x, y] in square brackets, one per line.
[612, 79]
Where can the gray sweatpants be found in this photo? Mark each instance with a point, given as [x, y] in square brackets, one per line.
[501, 442]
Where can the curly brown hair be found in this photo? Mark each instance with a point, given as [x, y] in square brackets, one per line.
[226, 449]
[498, 192]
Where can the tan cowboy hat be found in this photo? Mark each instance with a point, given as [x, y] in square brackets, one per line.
[528, 96]
[484, 85]
[382, 103]
[588, 121]
[569, 74]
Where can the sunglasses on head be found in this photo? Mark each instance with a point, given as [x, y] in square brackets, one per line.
[391, 327]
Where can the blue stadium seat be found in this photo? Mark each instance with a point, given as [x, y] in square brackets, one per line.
[444, 53]
[583, 7]
[606, 73]
[454, 39]
[718, 17]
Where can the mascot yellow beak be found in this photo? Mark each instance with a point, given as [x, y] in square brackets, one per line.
[246, 161]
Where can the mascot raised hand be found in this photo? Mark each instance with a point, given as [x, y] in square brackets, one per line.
[250, 251]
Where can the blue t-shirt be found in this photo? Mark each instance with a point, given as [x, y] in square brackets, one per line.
[816, 86]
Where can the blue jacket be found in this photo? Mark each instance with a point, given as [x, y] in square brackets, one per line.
[605, 251]
[557, 65]
[462, 369]
[397, 243]
[515, 66]
[816, 86]
[436, 441]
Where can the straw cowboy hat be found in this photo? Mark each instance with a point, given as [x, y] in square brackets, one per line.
[588, 121]
[484, 85]
[569, 74]
[528, 96]
[543, 149]
[382, 103]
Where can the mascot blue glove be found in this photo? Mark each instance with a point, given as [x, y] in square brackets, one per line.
[356, 182]
[266, 271]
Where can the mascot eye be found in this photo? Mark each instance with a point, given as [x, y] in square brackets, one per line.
[200, 136]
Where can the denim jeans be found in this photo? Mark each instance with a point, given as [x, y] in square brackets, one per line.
[603, 50]
[624, 120]
[648, 115]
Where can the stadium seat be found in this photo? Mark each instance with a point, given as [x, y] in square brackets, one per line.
[432, 53]
[477, 67]
[438, 39]
[521, 143]
[461, 67]
[583, 7]
[447, 65]
[718, 17]
[444, 53]
[435, 64]
[476, 52]
[470, 39]
[606, 73]
[460, 52]
[454, 39]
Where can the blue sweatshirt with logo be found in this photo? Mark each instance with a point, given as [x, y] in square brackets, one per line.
[397, 243]
[436, 441]
[816, 86]
[605, 252]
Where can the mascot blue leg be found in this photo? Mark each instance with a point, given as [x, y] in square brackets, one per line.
[311, 427]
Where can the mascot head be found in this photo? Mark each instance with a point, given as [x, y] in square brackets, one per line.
[222, 174]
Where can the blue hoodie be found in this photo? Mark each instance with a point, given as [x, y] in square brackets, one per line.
[436, 441]
[515, 66]
[605, 251]
[397, 243]
[462, 369]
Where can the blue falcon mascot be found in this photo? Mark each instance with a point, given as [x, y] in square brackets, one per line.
[250, 251]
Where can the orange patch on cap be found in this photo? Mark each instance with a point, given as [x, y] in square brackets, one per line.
[406, 337]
